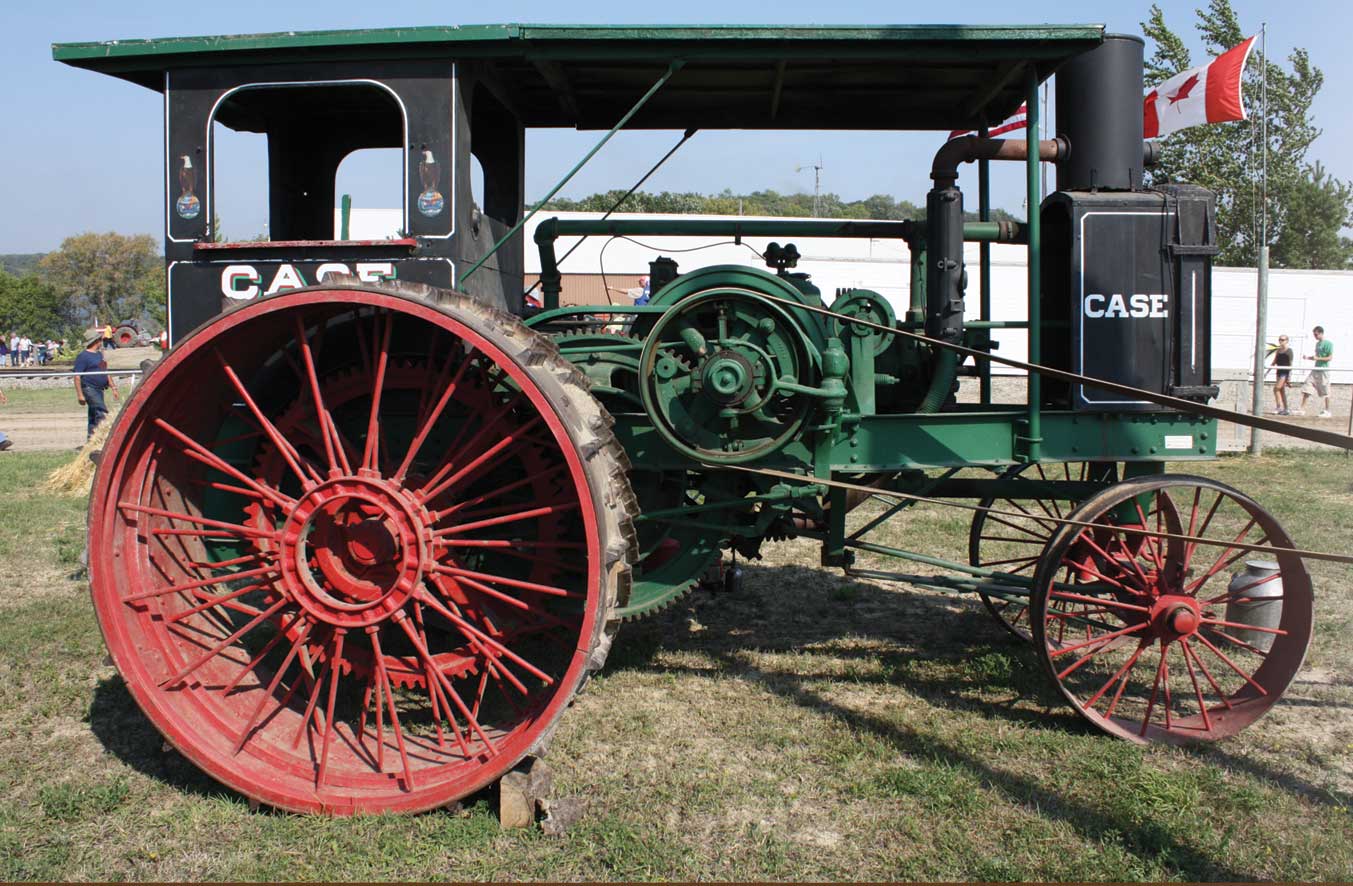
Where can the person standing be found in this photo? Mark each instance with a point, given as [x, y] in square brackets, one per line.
[89, 388]
[25, 351]
[1318, 380]
[1282, 364]
[14, 349]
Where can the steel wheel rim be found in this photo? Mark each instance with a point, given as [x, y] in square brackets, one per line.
[197, 719]
[1160, 661]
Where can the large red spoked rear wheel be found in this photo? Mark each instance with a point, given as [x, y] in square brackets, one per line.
[1155, 638]
[355, 551]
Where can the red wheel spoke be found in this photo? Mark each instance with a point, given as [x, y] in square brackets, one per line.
[504, 519]
[201, 583]
[1099, 601]
[308, 478]
[493, 644]
[333, 447]
[263, 653]
[335, 673]
[1245, 627]
[1193, 678]
[235, 528]
[249, 726]
[1190, 547]
[482, 433]
[431, 421]
[1237, 594]
[1063, 650]
[1156, 691]
[206, 456]
[427, 675]
[213, 602]
[489, 657]
[1232, 665]
[1206, 673]
[447, 689]
[1218, 565]
[1131, 559]
[1239, 642]
[487, 457]
[1103, 645]
[316, 685]
[503, 580]
[371, 456]
[214, 651]
[384, 679]
[1120, 674]
[456, 508]
[508, 543]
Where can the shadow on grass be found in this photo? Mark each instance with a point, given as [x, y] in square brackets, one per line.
[119, 724]
[947, 651]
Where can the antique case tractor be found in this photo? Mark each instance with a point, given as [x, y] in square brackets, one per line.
[363, 533]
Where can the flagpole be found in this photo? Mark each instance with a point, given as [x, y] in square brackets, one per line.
[1261, 295]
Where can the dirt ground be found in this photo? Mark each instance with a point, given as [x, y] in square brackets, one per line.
[42, 415]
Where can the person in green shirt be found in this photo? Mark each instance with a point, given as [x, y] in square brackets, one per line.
[1318, 380]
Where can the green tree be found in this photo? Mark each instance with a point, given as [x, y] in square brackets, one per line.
[1319, 208]
[1226, 157]
[32, 307]
[106, 277]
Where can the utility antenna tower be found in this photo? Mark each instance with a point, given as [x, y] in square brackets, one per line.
[817, 184]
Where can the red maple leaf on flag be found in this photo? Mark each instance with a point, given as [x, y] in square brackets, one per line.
[1183, 91]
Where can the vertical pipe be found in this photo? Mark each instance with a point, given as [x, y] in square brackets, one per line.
[1035, 430]
[345, 218]
[1261, 295]
[984, 261]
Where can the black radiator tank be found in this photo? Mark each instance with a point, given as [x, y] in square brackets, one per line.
[1126, 294]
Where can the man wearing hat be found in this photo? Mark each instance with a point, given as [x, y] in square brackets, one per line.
[89, 388]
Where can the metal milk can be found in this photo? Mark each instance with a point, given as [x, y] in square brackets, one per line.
[1250, 601]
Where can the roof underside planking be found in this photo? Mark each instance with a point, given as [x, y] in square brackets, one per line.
[891, 77]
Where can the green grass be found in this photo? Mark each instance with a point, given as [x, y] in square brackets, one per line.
[812, 727]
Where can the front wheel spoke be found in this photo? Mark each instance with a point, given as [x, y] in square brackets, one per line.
[1239, 642]
[216, 650]
[1161, 673]
[1238, 595]
[283, 445]
[249, 726]
[335, 673]
[447, 689]
[533, 479]
[213, 602]
[524, 585]
[235, 528]
[1106, 644]
[281, 635]
[469, 629]
[503, 519]
[1222, 562]
[460, 445]
[201, 583]
[388, 692]
[490, 660]
[1242, 626]
[201, 453]
[1042, 537]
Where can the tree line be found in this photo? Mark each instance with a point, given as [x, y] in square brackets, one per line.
[879, 207]
[93, 279]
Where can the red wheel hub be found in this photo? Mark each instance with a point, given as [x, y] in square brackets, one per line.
[352, 551]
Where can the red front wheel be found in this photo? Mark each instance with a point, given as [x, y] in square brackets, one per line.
[354, 551]
[1177, 616]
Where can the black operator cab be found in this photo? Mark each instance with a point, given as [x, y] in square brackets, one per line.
[437, 114]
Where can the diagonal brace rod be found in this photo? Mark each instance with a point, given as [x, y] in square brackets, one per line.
[676, 65]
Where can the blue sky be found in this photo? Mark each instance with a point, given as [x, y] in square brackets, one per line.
[83, 152]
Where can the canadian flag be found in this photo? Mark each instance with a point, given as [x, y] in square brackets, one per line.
[1017, 120]
[1206, 94]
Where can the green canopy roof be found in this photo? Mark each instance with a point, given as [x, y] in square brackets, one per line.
[736, 76]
